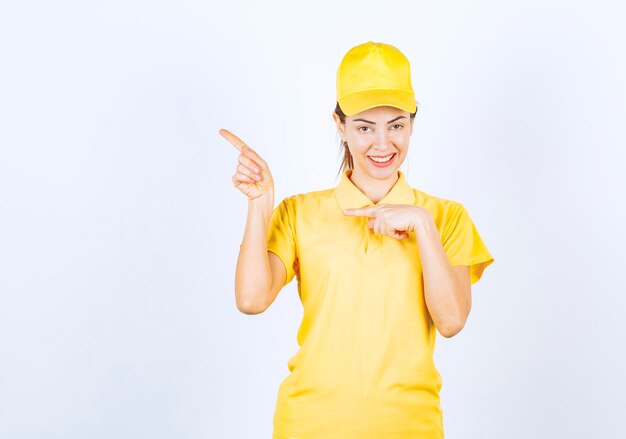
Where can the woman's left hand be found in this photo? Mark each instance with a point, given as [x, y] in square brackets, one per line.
[395, 220]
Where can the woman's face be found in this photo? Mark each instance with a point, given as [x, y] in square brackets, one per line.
[378, 133]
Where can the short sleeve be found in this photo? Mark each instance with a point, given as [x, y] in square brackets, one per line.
[281, 236]
[462, 243]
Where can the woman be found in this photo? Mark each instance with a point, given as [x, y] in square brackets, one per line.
[380, 265]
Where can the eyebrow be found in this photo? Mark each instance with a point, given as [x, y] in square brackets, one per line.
[374, 123]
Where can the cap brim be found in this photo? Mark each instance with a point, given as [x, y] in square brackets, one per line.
[364, 100]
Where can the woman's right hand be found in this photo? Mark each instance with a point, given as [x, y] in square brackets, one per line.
[252, 176]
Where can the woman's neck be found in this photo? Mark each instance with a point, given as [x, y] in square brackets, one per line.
[374, 189]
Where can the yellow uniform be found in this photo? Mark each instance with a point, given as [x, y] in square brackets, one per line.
[365, 365]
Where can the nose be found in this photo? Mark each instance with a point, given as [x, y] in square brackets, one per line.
[383, 140]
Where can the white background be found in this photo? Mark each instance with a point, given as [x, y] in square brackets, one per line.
[120, 227]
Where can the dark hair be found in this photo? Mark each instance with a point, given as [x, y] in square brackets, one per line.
[343, 146]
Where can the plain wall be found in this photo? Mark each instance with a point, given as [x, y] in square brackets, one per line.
[120, 226]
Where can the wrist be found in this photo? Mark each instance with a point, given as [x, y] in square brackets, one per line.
[423, 222]
[264, 203]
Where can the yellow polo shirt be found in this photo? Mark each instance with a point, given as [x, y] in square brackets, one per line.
[364, 369]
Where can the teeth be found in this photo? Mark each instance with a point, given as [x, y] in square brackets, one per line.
[382, 160]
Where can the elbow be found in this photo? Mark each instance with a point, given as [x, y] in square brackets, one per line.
[248, 310]
[250, 307]
[454, 324]
[451, 329]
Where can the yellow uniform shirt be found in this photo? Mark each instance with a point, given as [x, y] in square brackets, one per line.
[365, 366]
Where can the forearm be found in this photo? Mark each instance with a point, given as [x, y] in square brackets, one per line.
[442, 292]
[253, 277]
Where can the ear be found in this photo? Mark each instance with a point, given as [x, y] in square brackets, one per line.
[340, 126]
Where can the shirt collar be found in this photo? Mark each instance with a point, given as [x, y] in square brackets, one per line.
[349, 196]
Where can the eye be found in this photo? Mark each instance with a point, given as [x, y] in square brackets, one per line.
[359, 128]
[398, 125]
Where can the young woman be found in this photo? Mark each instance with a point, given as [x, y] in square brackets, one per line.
[381, 267]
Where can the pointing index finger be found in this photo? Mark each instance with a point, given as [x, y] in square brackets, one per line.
[236, 141]
[361, 211]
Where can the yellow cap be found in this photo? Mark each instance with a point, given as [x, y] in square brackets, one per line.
[373, 74]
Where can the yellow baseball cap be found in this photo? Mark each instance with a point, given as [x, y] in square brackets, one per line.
[374, 74]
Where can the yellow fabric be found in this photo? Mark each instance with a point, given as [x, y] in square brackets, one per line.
[365, 366]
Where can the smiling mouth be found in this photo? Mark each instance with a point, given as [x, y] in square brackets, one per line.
[382, 159]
